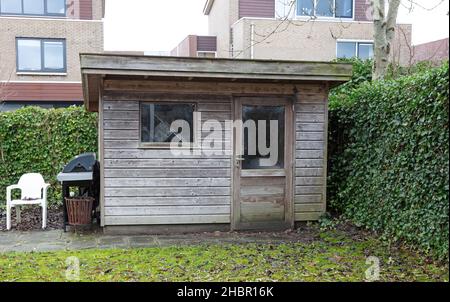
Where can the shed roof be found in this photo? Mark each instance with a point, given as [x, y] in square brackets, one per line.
[96, 66]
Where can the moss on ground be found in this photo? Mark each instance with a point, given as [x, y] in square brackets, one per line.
[335, 256]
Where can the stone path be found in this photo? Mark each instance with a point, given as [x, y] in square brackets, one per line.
[17, 241]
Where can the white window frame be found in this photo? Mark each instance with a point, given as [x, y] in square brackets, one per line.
[357, 43]
[301, 17]
[206, 51]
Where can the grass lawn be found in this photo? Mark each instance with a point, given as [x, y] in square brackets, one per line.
[332, 256]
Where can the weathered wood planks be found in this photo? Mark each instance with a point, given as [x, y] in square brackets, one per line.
[156, 186]
[139, 181]
[310, 155]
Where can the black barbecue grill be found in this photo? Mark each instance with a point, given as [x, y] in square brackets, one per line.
[82, 172]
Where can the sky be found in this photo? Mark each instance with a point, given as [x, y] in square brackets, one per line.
[159, 25]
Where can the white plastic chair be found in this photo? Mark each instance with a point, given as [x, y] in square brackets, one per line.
[33, 191]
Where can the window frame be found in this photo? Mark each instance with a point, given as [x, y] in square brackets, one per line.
[45, 14]
[43, 69]
[314, 15]
[163, 145]
[363, 43]
[357, 43]
[204, 51]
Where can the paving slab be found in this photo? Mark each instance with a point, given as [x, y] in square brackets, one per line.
[51, 246]
[112, 242]
[142, 241]
[53, 240]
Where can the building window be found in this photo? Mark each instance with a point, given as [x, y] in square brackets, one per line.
[362, 50]
[206, 54]
[33, 7]
[41, 55]
[343, 9]
[325, 8]
[158, 127]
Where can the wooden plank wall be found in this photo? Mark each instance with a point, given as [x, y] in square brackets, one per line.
[311, 112]
[152, 186]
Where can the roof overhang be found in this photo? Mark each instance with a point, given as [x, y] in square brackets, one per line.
[208, 6]
[94, 67]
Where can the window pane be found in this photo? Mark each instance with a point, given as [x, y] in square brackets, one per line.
[204, 54]
[365, 51]
[29, 55]
[344, 8]
[305, 7]
[33, 7]
[324, 8]
[11, 6]
[53, 55]
[157, 118]
[56, 6]
[346, 49]
[267, 114]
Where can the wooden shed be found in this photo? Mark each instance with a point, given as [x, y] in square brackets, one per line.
[149, 184]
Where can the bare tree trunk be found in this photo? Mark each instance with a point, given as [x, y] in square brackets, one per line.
[384, 31]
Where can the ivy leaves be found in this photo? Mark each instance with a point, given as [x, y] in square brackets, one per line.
[389, 168]
[43, 140]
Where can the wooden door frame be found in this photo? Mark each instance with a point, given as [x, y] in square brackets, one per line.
[289, 159]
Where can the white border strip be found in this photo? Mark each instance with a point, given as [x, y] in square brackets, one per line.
[41, 82]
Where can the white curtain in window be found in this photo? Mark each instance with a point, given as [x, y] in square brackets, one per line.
[285, 9]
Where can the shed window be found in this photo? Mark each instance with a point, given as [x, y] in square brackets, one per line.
[41, 55]
[263, 114]
[325, 8]
[157, 123]
[55, 8]
[362, 50]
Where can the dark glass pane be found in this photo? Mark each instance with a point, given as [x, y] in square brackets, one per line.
[324, 8]
[157, 118]
[54, 55]
[11, 6]
[346, 49]
[365, 51]
[29, 55]
[305, 7]
[33, 7]
[344, 8]
[265, 114]
[56, 6]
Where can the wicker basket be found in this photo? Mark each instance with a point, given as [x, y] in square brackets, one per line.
[79, 210]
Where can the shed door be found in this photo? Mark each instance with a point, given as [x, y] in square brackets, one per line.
[263, 148]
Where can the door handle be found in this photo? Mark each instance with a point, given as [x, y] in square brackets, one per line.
[237, 161]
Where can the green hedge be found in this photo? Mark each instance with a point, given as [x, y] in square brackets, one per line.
[43, 140]
[389, 158]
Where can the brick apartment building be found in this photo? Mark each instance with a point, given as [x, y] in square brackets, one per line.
[40, 42]
[309, 30]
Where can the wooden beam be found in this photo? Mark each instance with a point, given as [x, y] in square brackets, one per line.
[206, 67]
